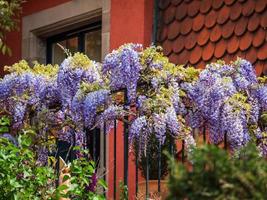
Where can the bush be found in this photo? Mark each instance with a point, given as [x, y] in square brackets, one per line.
[20, 175]
[216, 175]
[23, 177]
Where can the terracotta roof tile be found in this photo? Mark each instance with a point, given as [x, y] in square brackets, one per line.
[228, 29]
[216, 4]
[210, 19]
[220, 49]
[259, 38]
[193, 8]
[167, 47]
[195, 55]
[246, 41]
[233, 45]
[186, 26]
[229, 2]
[178, 44]
[216, 33]
[236, 11]
[248, 8]
[262, 52]
[240, 54]
[173, 30]
[241, 26]
[251, 55]
[205, 6]
[198, 22]
[163, 34]
[191, 40]
[174, 58]
[207, 30]
[170, 14]
[163, 4]
[183, 57]
[260, 5]
[203, 37]
[253, 22]
[201, 65]
[264, 20]
[265, 69]
[176, 2]
[223, 15]
[259, 68]
[208, 51]
[181, 11]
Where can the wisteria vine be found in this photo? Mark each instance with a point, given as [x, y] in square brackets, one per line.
[169, 100]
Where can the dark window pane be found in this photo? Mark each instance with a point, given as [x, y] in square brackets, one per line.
[58, 54]
[93, 45]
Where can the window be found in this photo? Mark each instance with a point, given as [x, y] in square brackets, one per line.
[86, 39]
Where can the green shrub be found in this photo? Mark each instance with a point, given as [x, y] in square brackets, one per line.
[216, 175]
[20, 175]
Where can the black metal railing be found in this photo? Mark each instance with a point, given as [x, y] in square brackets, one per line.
[93, 144]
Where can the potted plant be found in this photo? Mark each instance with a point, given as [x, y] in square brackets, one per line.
[150, 160]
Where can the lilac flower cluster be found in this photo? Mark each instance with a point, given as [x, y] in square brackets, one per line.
[123, 68]
[228, 100]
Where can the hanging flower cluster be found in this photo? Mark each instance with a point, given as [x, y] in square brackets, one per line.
[228, 100]
[59, 101]
[154, 86]
[170, 100]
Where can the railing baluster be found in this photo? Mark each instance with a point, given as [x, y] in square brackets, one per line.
[147, 175]
[204, 134]
[159, 167]
[94, 145]
[115, 159]
[183, 155]
[105, 151]
[57, 163]
[225, 140]
[136, 169]
[126, 142]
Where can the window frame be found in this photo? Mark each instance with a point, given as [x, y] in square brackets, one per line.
[79, 33]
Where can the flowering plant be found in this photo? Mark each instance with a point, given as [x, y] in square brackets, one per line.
[228, 100]
[154, 86]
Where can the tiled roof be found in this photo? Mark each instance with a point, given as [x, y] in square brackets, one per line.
[197, 32]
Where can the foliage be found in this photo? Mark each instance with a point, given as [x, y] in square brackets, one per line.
[124, 193]
[4, 124]
[217, 176]
[84, 181]
[21, 175]
[9, 13]
[24, 177]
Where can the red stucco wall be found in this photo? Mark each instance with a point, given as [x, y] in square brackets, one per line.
[14, 38]
[131, 21]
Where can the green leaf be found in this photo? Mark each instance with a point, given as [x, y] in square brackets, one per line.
[62, 187]
[65, 178]
[103, 183]
[4, 129]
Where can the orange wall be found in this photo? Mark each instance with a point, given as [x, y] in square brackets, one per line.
[131, 21]
[14, 38]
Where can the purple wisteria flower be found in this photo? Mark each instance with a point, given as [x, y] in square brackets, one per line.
[123, 68]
